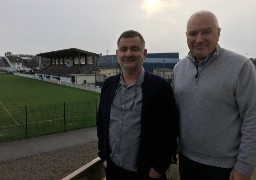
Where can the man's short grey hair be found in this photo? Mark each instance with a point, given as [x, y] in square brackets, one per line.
[210, 14]
[131, 34]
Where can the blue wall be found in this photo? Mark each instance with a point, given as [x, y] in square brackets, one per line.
[152, 61]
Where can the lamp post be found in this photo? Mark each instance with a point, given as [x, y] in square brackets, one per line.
[113, 67]
[163, 67]
[95, 66]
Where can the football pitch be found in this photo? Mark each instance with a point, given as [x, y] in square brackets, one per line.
[34, 107]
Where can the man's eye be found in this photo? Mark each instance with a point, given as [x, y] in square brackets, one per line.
[122, 49]
[192, 33]
[206, 32]
[135, 49]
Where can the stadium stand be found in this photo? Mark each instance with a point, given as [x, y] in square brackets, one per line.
[3, 62]
[69, 61]
[64, 71]
[23, 63]
[73, 63]
[4, 65]
[30, 61]
[14, 59]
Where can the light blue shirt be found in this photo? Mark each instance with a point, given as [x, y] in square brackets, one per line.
[125, 124]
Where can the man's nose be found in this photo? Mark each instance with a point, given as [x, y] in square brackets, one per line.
[128, 52]
[199, 37]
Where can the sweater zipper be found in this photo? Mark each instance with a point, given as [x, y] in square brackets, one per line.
[198, 73]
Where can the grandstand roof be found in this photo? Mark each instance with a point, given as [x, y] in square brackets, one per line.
[72, 52]
[163, 55]
[161, 60]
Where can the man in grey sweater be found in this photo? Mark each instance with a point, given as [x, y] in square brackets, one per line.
[215, 90]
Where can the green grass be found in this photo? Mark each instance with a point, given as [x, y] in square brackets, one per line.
[16, 91]
[31, 107]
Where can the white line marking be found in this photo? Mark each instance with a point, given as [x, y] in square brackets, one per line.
[9, 114]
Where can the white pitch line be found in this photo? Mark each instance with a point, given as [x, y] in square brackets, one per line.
[9, 114]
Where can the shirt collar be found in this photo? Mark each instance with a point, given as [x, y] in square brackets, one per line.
[202, 62]
[139, 80]
[216, 52]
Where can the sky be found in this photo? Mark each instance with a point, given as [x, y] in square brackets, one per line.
[38, 26]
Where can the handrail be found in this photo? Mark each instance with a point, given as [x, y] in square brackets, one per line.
[94, 170]
[91, 171]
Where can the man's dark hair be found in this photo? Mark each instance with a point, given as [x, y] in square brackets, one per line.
[131, 34]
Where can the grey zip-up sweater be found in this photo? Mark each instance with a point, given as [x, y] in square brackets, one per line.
[218, 110]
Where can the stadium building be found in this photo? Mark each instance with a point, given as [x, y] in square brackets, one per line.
[82, 67]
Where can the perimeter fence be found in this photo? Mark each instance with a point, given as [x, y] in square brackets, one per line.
[31, 121]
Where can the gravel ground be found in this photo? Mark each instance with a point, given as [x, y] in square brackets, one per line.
[56, 165]
[50, 165]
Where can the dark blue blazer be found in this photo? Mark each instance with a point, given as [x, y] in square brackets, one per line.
[159, 123]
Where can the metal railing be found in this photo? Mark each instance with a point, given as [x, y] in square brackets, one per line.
[31, 121]
[63, 81]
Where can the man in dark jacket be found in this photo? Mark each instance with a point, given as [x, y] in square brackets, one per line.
[137, 120]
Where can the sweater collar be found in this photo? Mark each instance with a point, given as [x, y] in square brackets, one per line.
[215, 53]
[138, 82]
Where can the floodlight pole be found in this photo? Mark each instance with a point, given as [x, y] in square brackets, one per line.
[95, 62]
[95, 71]
[163, 67]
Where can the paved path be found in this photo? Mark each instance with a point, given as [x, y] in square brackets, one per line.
[27, 147]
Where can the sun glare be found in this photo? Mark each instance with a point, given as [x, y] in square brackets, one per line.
[151, 2]
[151, 6]
[155, 6]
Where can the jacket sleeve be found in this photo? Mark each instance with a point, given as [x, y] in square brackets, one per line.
[246, 100]
[100, 126]
[165, 145]
[107, 91]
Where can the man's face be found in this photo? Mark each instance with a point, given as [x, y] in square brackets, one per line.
[131, 54]
[202, 36]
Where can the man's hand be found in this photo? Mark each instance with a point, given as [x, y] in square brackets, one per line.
[153, 174]
[105, 164]
[235, 175]
[175, 158]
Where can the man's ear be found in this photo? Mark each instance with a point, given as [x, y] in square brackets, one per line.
[145, 52]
